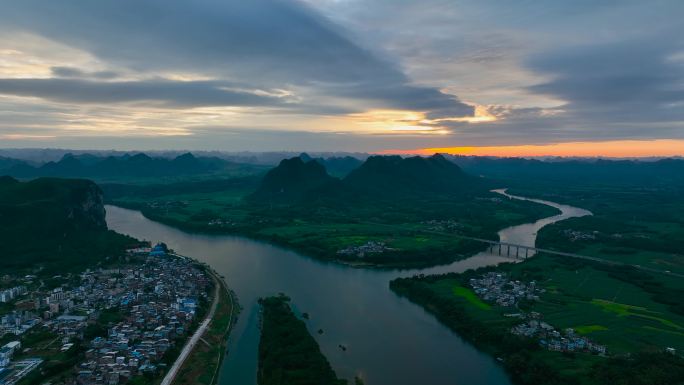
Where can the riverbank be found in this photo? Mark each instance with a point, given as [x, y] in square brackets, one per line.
[412, 240]
[203, 363]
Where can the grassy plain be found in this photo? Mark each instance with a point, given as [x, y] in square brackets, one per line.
[322, 229]
[606, 305]
[631, 224]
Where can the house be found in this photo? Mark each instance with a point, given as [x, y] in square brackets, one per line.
[7, 351]
[14, 346]
[159, 250]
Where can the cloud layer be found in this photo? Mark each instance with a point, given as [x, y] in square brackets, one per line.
[267, 43]
[551, 72]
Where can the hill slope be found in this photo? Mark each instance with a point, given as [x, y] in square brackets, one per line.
[54, 223]
[303, 178]
[336, 166]
[293, 180]
[394, 175]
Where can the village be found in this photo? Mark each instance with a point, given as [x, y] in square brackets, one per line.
[498, 288]
[551, 339]
[119, 323]
[370, 247]
[444, 225]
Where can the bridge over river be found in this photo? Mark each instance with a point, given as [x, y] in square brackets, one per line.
[522, 252]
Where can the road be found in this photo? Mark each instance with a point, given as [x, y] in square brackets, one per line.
[536, 249]
[187, 349]
[230, 323]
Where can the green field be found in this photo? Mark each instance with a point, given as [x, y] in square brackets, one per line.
[639, 225]
[609, 305]
[469, 296]
[625, 316]
[320, 230]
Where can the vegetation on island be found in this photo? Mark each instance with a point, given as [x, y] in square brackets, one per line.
[288, 354]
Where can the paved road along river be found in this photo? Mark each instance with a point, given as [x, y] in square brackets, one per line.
[389, 340]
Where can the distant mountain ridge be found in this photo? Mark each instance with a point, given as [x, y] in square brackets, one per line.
[138, 165]
[665, 172]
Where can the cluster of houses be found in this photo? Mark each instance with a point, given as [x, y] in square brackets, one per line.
[449, 225]
[576, 235]
[7, 351]
[370, 247]
[552, 339]
[220, 222]
[12, 293]
[498, 288]
[18, 322]
[157, 303]
[141, 311]
[166, 205]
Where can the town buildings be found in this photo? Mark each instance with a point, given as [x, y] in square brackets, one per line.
[123, 321]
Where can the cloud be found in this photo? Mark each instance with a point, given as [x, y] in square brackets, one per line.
[547, 72]
[273, 43]
[72, 72]
[623, 81]
[164, 93]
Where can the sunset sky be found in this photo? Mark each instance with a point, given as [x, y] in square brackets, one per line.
[535, 78]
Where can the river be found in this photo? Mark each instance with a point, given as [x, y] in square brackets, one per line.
[388, 340]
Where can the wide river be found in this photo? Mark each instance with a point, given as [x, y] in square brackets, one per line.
[388, 340]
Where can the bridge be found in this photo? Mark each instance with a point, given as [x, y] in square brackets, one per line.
[506, 249]
[515, 251]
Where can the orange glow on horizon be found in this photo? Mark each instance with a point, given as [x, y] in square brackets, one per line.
[609, 149]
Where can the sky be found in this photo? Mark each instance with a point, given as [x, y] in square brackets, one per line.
[494, 77]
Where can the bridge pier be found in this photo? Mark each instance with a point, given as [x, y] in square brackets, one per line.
[510, 250]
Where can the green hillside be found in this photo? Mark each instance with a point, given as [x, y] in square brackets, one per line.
[57, 224]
